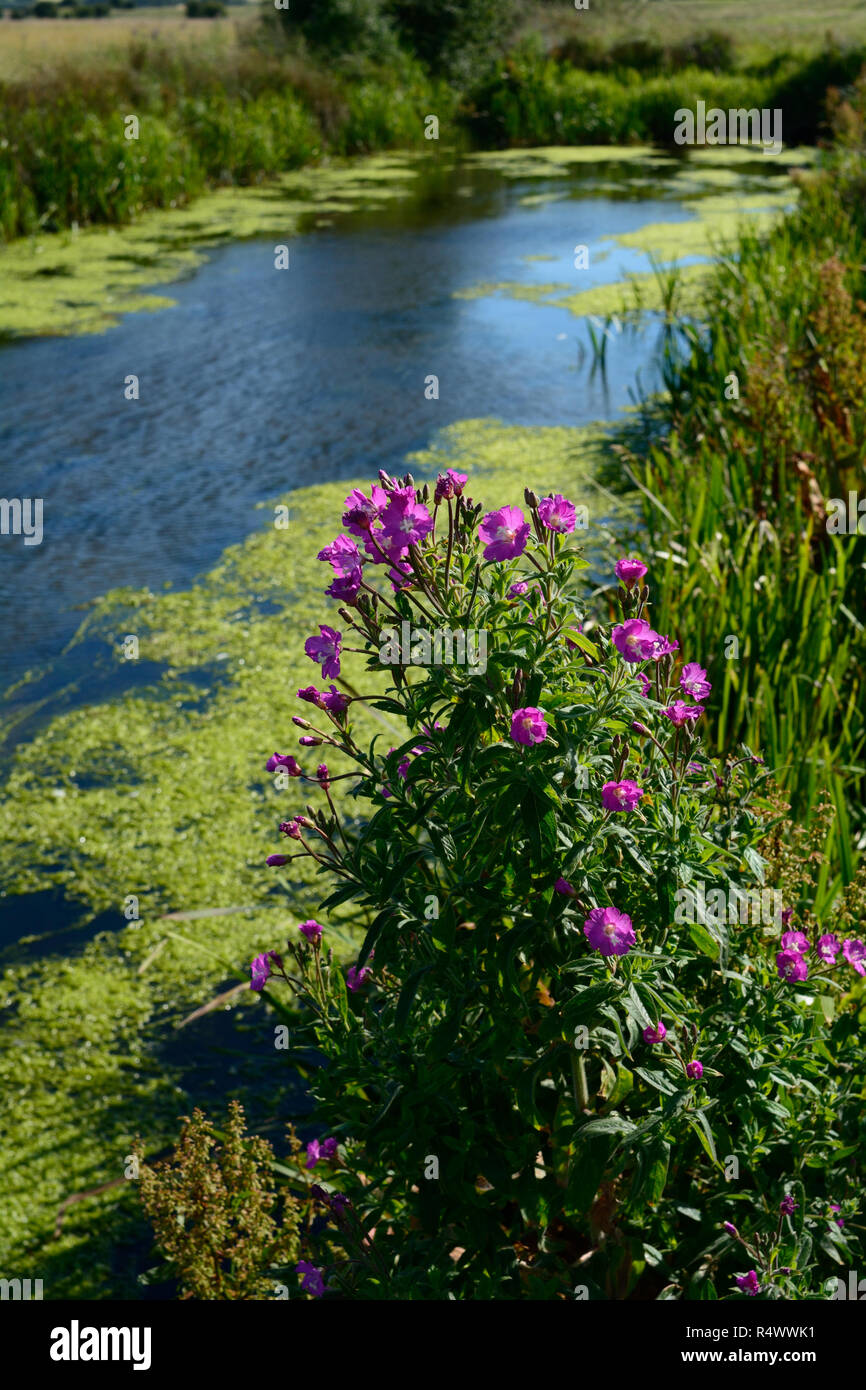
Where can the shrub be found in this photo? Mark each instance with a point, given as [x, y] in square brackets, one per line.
[578, 1008]
[218, 1218]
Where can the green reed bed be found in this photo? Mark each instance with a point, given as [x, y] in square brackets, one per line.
[737, 495]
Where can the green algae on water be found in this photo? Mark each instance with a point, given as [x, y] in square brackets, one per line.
[161, 794]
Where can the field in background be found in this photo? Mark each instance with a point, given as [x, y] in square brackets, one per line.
[28, 46]
[770, 24]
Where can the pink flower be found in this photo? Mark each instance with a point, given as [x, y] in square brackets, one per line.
[283, 760]
[645, 684]
[693, 681]
[629, 571]
[620, 796]
[749, 1283]
[787, 1206]
[312, 696]
[855, 953]
[323, 776]
[343, 554]
[635, 640]
[325, 649]
[656, 1035]
[312, 1280]
[557, 513]
[260, 969]
[355, 977]
[694, 1071]
[609, 931]
[504, 533]
[334, 701]
[345, 588]
[405, 522]
[791, 966]
[517, 590]
[528, 725]
[318, 1149]
[563, 886]
[449, 484]
[663, 646]
[680, 713]
[795, 941]
[828, 948]
[290, 828]
[361, 512]
[312, 931]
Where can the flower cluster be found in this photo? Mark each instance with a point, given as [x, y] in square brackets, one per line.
[791, 961]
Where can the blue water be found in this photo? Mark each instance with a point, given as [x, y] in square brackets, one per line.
[261, 380]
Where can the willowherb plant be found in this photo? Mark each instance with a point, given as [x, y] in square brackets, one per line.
[526, 1060]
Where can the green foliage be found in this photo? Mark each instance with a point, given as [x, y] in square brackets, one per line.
[490, 1041]
[736, 496]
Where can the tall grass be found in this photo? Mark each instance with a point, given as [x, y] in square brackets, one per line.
[734, 494]
[218, 114]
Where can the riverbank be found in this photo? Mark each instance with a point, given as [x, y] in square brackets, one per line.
[102, 140]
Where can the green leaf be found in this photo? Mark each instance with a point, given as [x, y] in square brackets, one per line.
[700, 1125]
[407, 996]
[705, 943]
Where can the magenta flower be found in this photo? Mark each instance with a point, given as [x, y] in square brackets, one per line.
[276, 861]
[629, 571]
[645, 684]
[334, 701]
[693, 681]
[828, 948]
[620, 796]
[312, 696]
[449, 484]
[518, 590]
[635, 640]
[312, 1281]
[312, 931]
[663, 646]
[839, 1220]
[361, 511]
[290, 828]
[504, 533]
[609, 931]
[694, 1071]
[343, 554]
[323, 776]
[787, 914]
[563, 886]
[285, 760]
[680, 713]
[401, 576]
[795, 941]
[345, 588]
[656, 1035]
[749, 1283]
[260, 969]
[791, 966]
[855, 953]
[355, 977]
[787, 1206]
[405, 522]
[730, 1228]
[528, 725]
[557, 513]
[325, 649]
[318, 1149]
